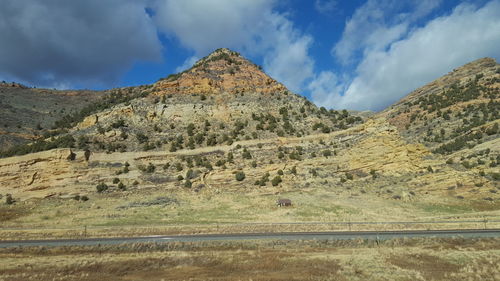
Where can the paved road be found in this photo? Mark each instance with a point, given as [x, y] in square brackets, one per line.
[340, 235]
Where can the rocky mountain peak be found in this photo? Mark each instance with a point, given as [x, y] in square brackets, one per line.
[222, 71]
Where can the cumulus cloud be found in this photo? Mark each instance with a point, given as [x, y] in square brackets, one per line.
[376, 24]
[58, 43]
[322, 87]
[384, 75]
[250, 26]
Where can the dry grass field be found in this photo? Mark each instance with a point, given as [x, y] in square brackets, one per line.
[159, 211]
[397, 259]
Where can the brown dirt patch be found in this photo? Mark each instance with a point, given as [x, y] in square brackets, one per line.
[230, 265]
[431, 267]
[10, 213]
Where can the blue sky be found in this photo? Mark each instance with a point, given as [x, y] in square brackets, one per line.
[356, 54]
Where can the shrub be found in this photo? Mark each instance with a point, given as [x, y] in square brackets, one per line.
[449, 161]
[178, 167]
[150, 168]
[349, 176]
[121, 186]
[9, 200]
[327, 153]
[240, 176]
[254, 164]
[135, 182]
[293, 170]
[188, 184]
[280, 172]
[116, 180]
[101, 187]
[276, 180]
[179, 177]
[429, 169]
[141, 138]
[314, 172]
[189, 174]
[246, 154]
[84, 198]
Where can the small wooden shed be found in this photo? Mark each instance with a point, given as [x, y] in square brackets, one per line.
[284, 202]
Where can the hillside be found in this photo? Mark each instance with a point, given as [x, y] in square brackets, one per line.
[27, 113]
[221, 141]
[456, 111]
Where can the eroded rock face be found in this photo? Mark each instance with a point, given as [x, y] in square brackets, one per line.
[222, 71]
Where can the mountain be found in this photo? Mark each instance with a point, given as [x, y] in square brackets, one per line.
[223, 98]
[221, 141]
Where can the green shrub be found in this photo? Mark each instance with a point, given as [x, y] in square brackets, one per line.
[189, 174]
[101, 187]
[314, 172]
[116, 180]
[188, 184]
[9, 200]
[141, 138]
[349, 176]
[121, 186]
[150, 168]
[246, 154]
[178, 167]
[240, 176]
[276, 180]
[327, 153]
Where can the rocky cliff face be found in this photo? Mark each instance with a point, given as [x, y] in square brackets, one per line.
[223, 71]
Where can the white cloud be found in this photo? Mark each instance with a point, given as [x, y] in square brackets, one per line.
[55, 43]
[385, 75]
[323, 87]
[188, 63]
[249, 26]
[376, 24]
